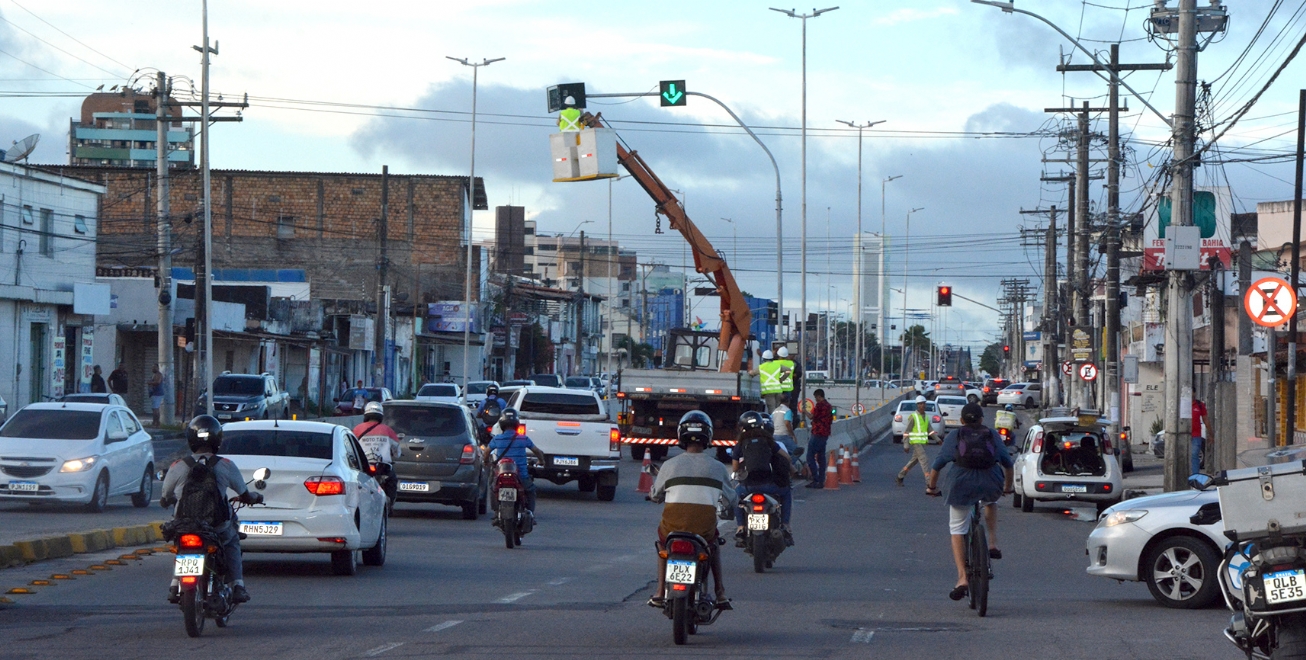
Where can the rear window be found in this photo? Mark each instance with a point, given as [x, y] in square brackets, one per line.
[439, 390]
[270, 442]
[950, 401]
[85, 398]
[559, 403]
[909, 406]
[1015, 386]
[238, 386]
[477, 388]
[579, 383]
[53, 425]
[437, 421]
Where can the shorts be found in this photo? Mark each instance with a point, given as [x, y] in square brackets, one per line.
[959, 519]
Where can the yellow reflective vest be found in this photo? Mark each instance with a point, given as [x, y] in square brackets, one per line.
[918, 429]
[770, 372]
[569, 120]
[786, 383]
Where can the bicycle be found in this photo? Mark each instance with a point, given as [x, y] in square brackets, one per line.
[979, 567]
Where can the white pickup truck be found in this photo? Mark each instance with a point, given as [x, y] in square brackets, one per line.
[572, 428]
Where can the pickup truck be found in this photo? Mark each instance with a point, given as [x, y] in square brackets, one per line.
[246, 396]
[571, 427]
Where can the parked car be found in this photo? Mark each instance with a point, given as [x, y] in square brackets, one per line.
[906, 408]
[1029, 395]
[78, 453]
[571, 427]
[1152, 540]
[345, 404]
[441, 461]
[319, 497]
[989, 391]
[1065, 459]
[93, 397]
[475, 393]
[247, 396]
[547, 380]
[950, 406]
[441, 393]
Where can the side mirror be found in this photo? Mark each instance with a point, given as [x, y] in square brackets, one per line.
[160, 474]
[116, 436]
[1199, 482]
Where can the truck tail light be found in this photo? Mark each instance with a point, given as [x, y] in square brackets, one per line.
[614, 440]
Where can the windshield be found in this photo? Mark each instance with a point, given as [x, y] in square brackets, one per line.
[575, 382]
[549, 380]
[438, 390]
[950, 401]
[908, 406]
[270, 442]
[559, 403]
[238, 386]
[85, 398]
[426, 420]
[53, 425]
[477, 388]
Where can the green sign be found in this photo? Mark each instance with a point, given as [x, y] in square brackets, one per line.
[673, 93]
[1203, 213]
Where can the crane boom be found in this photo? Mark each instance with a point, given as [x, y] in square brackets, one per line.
[736, 319]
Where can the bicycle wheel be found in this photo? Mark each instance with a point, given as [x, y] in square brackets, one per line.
[980, 571]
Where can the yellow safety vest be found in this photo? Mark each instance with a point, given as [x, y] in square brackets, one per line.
[787, 384]
[918, 429]
[1005, 419]
[569, 120]
[770, 373]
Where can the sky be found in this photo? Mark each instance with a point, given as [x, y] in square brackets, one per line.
[961, 88]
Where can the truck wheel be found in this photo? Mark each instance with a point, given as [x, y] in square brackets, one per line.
[607, 493]
[659, 453]
[585, 484]
[637, 452]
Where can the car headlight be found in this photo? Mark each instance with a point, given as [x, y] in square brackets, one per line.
[1121, 517]
[79, 464]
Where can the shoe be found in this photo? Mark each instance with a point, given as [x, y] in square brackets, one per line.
[959, 592]
[995, 553]
[239, 594]
[723, 604]
[815, 486]
[788, 536]
[898, 480]
[657, 601]
[739, 537]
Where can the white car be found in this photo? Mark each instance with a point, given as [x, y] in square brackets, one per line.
[319, 497]
[950, 406]
[476, 392]
[441, 393]
[80, 453]
[1029, 395]
[1151, 539]
[906, 408]
[1064, 459]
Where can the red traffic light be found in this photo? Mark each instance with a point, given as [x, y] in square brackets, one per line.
[1006, 349]
[944, 295]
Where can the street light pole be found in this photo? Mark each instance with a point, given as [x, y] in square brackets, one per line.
[611, 351]
[906, 252]
[883, 294]
[735, 230]
[858, 266]
[471, 208]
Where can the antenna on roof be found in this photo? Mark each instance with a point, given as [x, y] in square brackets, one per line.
[23, 149]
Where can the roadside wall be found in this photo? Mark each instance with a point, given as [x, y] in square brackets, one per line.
[858, 431]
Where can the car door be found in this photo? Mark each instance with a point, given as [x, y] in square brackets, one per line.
[139, 451]
[366, 491]
[116, 451]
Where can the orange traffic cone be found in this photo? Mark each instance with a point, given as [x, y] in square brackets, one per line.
[857, 469]
[832, 472]
[845, 467]
[646, 473]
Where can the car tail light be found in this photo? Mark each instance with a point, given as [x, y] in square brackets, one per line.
[1106, 488]
[734, 398]
[897, 418]
[937, 419]
[1038, 443]
[191, 541]
[325, 485]
[569, 424]
[1016, 393]
[469, 455]
[986, 390]
[1106, 445]
[614, 439]
[332, 539]
[682, 547]
[758, 498]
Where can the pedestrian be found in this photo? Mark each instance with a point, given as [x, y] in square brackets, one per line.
[98, 385]
[156, 393]
[915, 438]
[118, 380]
[821, 417]
[1198, 441]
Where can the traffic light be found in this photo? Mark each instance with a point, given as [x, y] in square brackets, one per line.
[1006, 350]
[944, 295]
[673, 93]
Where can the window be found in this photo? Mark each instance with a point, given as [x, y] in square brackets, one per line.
[79, 224]
[114, 429]
[560, 404]
[129, 423]
[548, 247]
[351, 453]
[261, 442]
[427, 421]
[47, 232]
[529, 250]
[439, 390]
[53, 424]
[285, 226]
[27, 216]
[530, 231]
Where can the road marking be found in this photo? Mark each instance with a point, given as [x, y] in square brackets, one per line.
[560, 581]
[863, 636]
[511, 598]
[382, 649]
[442, 626]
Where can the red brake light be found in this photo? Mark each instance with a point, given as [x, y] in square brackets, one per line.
[986, 390]
[682, 547]
[371, 469]
[191, 541]
[679, 587]
[758, 508]
[1038, 443]
[614, 439]
[325, 485]
[189, 579]
[897, 418]
[758, 498]
[621, 395]
[1106, 445]
[937, 418]
[1106, 488]
[469, 454]
[521, 430]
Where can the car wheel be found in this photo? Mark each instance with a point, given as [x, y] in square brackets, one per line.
[344, 562]
[100, 495]
[637, 452]
[897, 439]
[973, 399]
[375, 555]
[607, 493]
[142, 497]
[470, 511]
[1027, 504]
[1181, 573]
[1029, 403]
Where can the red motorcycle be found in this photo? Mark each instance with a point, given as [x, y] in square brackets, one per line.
[509, 500]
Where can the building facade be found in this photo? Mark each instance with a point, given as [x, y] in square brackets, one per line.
[118, 129]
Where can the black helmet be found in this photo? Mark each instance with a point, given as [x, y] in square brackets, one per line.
[509, 419]
[695, 426]
[751, 421]
[204, 433]
[768, 423]
[972, 413]
[492, 390]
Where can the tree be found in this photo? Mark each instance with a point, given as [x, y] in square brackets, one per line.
[991, 359]
[640, 354]
[534, 352]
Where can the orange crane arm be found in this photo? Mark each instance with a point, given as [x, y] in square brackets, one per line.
[736, 319]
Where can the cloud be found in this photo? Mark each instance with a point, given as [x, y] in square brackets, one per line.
[910, 15]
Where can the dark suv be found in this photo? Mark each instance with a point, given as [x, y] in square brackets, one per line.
[441, 460]
[991, 388]
[237, 397]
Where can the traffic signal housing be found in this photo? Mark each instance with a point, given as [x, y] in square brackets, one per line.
[1006, 350]
[944, 295]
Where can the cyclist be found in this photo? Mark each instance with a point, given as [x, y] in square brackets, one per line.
[982, 474]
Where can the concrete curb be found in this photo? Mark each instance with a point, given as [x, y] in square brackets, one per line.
[66, 545]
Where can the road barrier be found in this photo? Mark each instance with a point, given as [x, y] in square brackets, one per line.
[859, 431]
[67, 545]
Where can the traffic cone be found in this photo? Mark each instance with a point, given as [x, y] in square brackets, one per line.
[845, 467]
[832, 472]
[646, 473]
[857, 469]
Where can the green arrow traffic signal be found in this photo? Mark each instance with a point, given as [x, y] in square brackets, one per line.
[673, 93]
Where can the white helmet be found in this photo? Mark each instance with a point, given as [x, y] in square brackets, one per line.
[767, 355]
[921, 399]
[374, 408]
[569, 101]
[783, 352]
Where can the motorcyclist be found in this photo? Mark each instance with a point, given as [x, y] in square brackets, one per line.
[771, 477]
[512, 442]
[381, 444]
[691, 485]
[485, 409]
[204, 436]
[1007, 419]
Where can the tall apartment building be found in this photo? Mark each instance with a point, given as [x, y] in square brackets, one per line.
[117, 129]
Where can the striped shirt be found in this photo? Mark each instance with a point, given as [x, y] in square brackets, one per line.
[691, 485]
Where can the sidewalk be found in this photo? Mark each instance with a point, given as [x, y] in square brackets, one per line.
[1148, 476]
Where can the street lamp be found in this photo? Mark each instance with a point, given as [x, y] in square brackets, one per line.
[582, 224]
[906, 252]
[611, 246]
[802, 336]
[885, 275]
[858, 267]
[735, 230]
[471, 207]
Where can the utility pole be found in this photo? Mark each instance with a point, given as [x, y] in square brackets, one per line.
[882, 333]
[383, 271]
[205, 355]
[165, 248]
[1291, 435]
[580, 306]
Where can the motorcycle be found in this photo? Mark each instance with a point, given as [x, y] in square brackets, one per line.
[509, 499]
[687, 599]
[765, 539]
[384, 474]
[1006, 436]
[202, 591]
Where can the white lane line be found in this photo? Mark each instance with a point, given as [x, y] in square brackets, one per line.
[560, 581]
[442, 626]
[382, 649]
[511, 598]
[863, 636]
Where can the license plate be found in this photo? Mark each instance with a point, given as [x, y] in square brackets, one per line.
[261, 528]
[566, 461]
[1285, 586]
[415, 486]
[507, 495]
[188, 565]
[758, 522]
[222, 416]
[1073, 488]
[682, 571]
[952, 422]
[24, 486]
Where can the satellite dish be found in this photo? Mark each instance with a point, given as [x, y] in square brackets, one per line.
[22, 149]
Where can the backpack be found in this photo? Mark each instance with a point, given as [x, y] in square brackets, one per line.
[758, 455]
[978, 454]
[202, 500]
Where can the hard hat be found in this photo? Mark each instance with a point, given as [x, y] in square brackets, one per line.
[783, 352]
[570, 100]
[920, 399]
[768, 355]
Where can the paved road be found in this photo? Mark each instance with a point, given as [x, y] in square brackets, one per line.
[868, 578]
